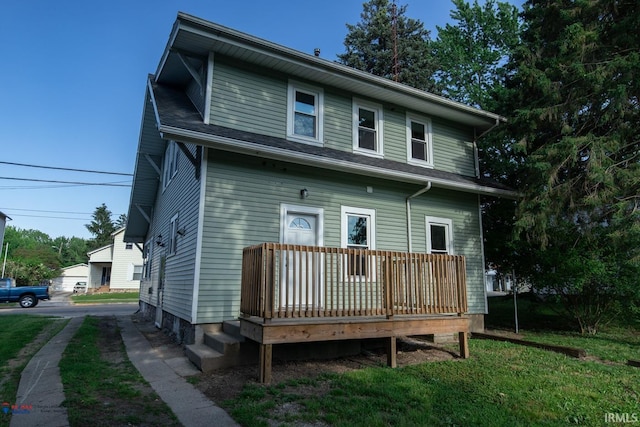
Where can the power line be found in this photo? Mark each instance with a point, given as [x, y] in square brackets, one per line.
[65, 169]
[45, 211]
[52, 217]
[108, 184]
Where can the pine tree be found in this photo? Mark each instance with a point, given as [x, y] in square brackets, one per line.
[101, 227]
[575, 96]
[370, 46]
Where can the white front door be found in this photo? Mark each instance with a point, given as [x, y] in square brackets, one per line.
[301, 276]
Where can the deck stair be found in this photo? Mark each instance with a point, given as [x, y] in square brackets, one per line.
[222, 348]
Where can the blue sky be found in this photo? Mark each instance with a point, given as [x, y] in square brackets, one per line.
[72, 84]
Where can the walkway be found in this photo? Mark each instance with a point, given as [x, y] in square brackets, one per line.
[40, 393]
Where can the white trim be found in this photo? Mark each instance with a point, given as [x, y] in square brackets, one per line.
[308, 210]
[371, 229]
[318, 94]
[377, 110]
[447, 223]
[245, 147]
[198, 262]
[172, 244]
[170, 163]
[209, 89]
[428, 133]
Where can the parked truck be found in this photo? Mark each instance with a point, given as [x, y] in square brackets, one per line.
[27, 296]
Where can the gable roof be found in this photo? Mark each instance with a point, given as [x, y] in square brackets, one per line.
[170, 114]
[193, 37]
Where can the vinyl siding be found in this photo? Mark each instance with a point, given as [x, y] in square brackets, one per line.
[180, 197]
[122, 265]
[452, 148]
[242, 208]
[248, 101]
[463, 210]
[257, 102]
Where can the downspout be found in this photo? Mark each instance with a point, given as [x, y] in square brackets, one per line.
[408, 200]
[475, 146]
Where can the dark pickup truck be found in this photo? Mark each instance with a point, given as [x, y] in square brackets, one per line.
[27, 296]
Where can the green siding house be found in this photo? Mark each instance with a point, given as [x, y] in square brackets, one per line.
[244, 141]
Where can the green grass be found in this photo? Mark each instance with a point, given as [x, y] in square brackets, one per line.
[541, 323]
[106, 298]
[101, 384]
[16, 333]
[502, 384]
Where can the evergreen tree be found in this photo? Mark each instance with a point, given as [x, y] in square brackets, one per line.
[121, 221]
[575, 98]
[370, 46]
[101, 227]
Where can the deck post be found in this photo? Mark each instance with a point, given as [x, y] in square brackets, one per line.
[266, 351]
[464, 344]
[391, 352]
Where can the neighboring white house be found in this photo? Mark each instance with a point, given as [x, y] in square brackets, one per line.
[70, 276]
[117, 266]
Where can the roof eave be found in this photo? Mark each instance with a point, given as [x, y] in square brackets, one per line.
[244, 147]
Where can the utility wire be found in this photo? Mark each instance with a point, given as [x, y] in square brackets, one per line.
[108, 184]
[65, 169]
[52, 217]
[45, 211]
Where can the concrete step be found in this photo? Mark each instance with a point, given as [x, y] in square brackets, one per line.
[232, 327]
[204, 357]
[222, 342]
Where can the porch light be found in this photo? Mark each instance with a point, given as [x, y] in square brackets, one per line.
[159, 240]
[304, 193]
[181, 231]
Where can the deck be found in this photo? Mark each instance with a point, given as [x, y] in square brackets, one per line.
[294, 293]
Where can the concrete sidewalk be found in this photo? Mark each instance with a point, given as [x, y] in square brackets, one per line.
[191, 406]
[40, 393]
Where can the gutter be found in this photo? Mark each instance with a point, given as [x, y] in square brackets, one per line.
[244, 147]
[408, 201]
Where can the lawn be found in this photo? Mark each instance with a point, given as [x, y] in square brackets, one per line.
[101, 386]
[21, 337]
[105, 298]
[502, 384]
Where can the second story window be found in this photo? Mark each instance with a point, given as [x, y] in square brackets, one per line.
[170, 163]
[304, 117]
[367, 128]
[419, 147]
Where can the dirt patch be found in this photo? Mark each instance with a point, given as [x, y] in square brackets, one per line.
[224, 384]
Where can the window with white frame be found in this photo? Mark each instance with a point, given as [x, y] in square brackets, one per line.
[170, 163]
[439, 235]
[367, 128]
[419, 145]
[173, 235]
[305, 113]
[358, 232]
[147, 259]
[137, 272]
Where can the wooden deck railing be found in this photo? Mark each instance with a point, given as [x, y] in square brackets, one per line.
[287, 281]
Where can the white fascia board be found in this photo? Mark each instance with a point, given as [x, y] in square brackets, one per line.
[231, 37]
[244, 147]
